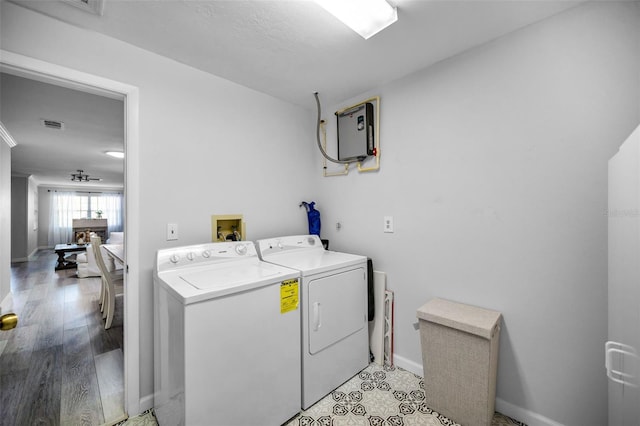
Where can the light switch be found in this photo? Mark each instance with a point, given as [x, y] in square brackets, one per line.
[172, 231]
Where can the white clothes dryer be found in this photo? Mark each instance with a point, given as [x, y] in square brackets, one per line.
[333, 309]
[227, 337]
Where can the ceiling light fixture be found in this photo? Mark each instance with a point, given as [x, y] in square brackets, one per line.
[81, 176]
[116, 154]
[366, 17]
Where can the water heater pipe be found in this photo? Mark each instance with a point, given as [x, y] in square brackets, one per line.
[323, 127]
[324, 153]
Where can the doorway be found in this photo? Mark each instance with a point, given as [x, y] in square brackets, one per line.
[67, 77]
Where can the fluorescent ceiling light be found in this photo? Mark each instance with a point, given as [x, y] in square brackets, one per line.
[116, 154]
[366, 17]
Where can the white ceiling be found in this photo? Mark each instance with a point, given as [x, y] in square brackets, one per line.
[93, 125]
[292, 48]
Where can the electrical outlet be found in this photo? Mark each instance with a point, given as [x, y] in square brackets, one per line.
[388, 224]
[172, 231]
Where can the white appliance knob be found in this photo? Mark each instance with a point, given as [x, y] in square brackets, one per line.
[174, 258]
[191, 255]
[241, 249]
[206, 254]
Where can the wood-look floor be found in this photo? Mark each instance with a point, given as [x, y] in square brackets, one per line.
[59, 366]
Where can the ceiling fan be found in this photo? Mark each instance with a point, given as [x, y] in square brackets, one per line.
[80, 176]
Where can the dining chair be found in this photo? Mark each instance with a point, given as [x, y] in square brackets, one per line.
[103, 285]
[112, 283]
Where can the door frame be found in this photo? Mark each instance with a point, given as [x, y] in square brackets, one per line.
[51, 73]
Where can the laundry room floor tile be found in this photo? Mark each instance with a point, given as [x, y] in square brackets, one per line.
[377, 396]
[380, 396]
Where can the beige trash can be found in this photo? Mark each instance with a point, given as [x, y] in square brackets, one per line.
[460, 360]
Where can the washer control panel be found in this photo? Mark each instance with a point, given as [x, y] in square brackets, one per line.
[186, 256]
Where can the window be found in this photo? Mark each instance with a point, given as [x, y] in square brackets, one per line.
[66, 206]
[93, 206]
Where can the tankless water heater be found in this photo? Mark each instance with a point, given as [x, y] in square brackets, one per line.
[355, 132]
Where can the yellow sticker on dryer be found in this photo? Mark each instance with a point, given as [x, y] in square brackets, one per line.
[288, 296]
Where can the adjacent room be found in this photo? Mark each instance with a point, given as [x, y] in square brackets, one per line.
[56, 280]
[484, 181]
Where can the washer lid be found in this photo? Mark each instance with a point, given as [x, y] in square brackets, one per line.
[202, 282]
[230, 276]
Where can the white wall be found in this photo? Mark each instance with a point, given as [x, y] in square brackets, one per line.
[494, 166]
[19, 243]
[207, 146]
[44, 203]
[5, 220]
[32, 216]
[23, 203]
[18, 218]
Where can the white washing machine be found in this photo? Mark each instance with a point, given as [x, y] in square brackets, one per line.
[227, 337]
[333, 304]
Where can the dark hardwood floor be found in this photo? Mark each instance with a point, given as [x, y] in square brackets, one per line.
[59, 366]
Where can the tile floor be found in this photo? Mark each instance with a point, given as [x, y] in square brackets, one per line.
[380, 396]
[377, 396]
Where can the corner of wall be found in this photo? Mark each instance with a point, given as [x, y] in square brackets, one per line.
[523, 415]
[518, 413]
[407, 364]
[5, 220]
[146, 403]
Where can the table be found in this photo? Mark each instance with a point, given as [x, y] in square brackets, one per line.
[62, 249]
[116, 251]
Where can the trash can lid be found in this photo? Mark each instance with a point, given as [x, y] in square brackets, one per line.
[471, 319]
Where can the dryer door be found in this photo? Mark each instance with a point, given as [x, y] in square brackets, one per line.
[336, 307]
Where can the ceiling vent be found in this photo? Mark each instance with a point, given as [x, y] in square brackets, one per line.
[92, 6]
[52, 124]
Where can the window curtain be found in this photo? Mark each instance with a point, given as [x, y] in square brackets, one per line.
[60, 217]
[112, 211]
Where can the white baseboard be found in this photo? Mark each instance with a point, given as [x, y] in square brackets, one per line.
[146, 402]
[407, 364]
[518, 413]
[28, 258]
[32, 255]
[522, 414]
[6, 302]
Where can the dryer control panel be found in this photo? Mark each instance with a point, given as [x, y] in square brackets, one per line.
[290, 243]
